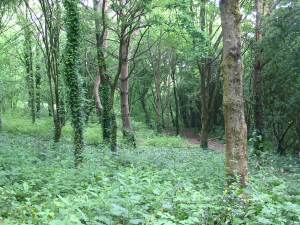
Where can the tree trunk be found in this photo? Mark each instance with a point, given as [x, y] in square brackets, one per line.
[204, 106]
[38, 90]
[233, 102]
[103, 101]
[204, 92]
[29, 70]
[173, 73]
[157, 79]
[38, 79]
[50, 32]
[127, 127]
[72, 76]
[257, 80]
[145, 109]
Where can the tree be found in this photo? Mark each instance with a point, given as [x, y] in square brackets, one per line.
[129, 16]
[48, 25]
[233, 102]
[257, 79]
[28, 59]
[173, 63]
[71, 75]
[3, 8]
[102, 82]
[280, 75]
[38, 80]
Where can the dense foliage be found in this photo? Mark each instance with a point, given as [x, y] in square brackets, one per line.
[146, 186]
[177, 111]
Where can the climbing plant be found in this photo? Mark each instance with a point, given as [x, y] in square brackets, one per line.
[72, 78]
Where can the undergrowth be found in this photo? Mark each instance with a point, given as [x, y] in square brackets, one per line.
[155, 185]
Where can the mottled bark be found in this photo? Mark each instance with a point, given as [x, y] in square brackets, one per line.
[233, 102]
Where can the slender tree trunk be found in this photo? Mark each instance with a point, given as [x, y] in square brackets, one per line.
[173, 74]
[72, 77]
[145, 109]
[114, 127]
[257, 80]
[127, 127]
[204, 91]
[51, 13]
[38, 79]
[103, 101]
[157, 80]
[29, 70]
[204, 107]
[233, 102]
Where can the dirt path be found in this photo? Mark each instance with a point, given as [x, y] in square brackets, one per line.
[194, 138]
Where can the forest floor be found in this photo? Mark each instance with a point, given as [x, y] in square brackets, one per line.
[167, 180]
[213, 143]
[194, 138]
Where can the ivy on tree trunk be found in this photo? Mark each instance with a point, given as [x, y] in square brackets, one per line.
[72, 76]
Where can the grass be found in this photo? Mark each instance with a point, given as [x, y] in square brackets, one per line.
[152, 184]
[21, 124]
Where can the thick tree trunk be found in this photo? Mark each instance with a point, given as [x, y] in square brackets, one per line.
[257, 80]
[124, 87]
[232, 69]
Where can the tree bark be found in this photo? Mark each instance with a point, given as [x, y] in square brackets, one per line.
[157, 81]
[233, 102]
[204, 91]
[173, 74]
[257, 79]
[102, 85]
[204, 106]
[29, 70]
[127, 127]
[145, 109]
[50, 33]
[38, 80]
